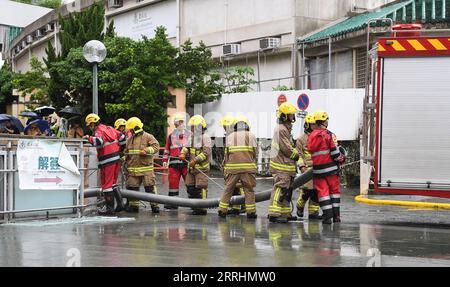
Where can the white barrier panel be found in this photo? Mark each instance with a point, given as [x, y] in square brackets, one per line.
[46, 165]
[344, 106]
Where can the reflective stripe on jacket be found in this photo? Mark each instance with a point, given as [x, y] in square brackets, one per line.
[283, 154]
[240, 153]
[198, 148]
[106, 140]
[137, 164]
[322, 145]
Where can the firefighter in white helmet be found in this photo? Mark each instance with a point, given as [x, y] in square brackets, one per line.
[175, 141]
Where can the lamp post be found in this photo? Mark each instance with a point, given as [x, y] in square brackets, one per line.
[94, 52]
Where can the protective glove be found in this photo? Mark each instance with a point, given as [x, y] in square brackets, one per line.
[143, 152]
[192, 164]
[182, 157]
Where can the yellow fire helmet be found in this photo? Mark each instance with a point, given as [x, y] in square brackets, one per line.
[321, 116]
[92, 118]
[286, 109]
[119, 122]
[178, 117]
[227, 121]
[134, 122]
[197, 120]
[309, 119]
[242, 119]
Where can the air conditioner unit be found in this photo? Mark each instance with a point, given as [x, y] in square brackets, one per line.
[49, 28]
[231, 49]
[115, 3]
[17, 49]
[39, 33]
[29, 39]
[269, 43]
[24, 44]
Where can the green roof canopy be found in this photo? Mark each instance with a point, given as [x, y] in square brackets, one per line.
[407, 11]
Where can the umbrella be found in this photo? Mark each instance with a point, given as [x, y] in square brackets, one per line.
[45, 111]
[17, 124]
[29, 114]
[42, 125]
[68, 112]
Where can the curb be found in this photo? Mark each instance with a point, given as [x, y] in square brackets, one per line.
[435, 205]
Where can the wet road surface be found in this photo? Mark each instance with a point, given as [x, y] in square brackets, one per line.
[368, 236]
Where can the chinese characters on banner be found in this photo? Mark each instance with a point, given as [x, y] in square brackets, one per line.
[46, 165]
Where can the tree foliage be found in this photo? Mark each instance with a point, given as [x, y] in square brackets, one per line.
[52, 4]
[6, 85]
[80, 27]
[239, 79]
[34, 82]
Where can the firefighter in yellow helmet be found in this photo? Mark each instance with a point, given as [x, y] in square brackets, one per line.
[139, 152]
[283, 158]
[305, 162]
[240, 166]
[198, 153]
[120, 125]
[227, 123]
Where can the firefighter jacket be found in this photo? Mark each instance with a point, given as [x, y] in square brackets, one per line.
[174, 143]
[322, 144]
[198, 148]
[240, 153]
[107, 140]
[283, 154]
[302, 146]
[137, 164]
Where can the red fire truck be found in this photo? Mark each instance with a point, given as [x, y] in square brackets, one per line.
[412, 136]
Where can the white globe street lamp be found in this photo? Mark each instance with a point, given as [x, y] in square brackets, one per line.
[94, 52]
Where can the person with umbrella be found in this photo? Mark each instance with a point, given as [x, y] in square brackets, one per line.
[37, 128]
[10, 124]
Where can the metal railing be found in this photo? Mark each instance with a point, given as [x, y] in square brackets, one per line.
[9, 174]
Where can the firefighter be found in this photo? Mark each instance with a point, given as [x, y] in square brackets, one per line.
[326, 158]
[307, 191]
[120, 125]
[107, 141]
[177, 168]
[240, 166]
[139, 152]
[284, 156]
[227, 123]
[198, 154]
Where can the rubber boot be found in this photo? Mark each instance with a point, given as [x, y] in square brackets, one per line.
[336, 214]
[327, 216]
[252, 215]
[129, 206]
[119, 199]
[222, 214]
[313, 210]
[154, 206]
[108, 208]
[172, 193]
[197, 211]
[278, 219]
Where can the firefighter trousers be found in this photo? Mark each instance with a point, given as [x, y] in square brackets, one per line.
[197, 186]
[134, 183]
[175, 174]
[248, 181]
[280, 199]
[109, 175]
[328, 191]
[313, 204]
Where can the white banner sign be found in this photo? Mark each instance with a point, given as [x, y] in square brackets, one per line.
[46, 165]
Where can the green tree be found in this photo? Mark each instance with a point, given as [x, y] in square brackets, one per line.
[6, 85]
[81, 27]
[33, 82]
[197, 70]
[238, 79]
[52, 4]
